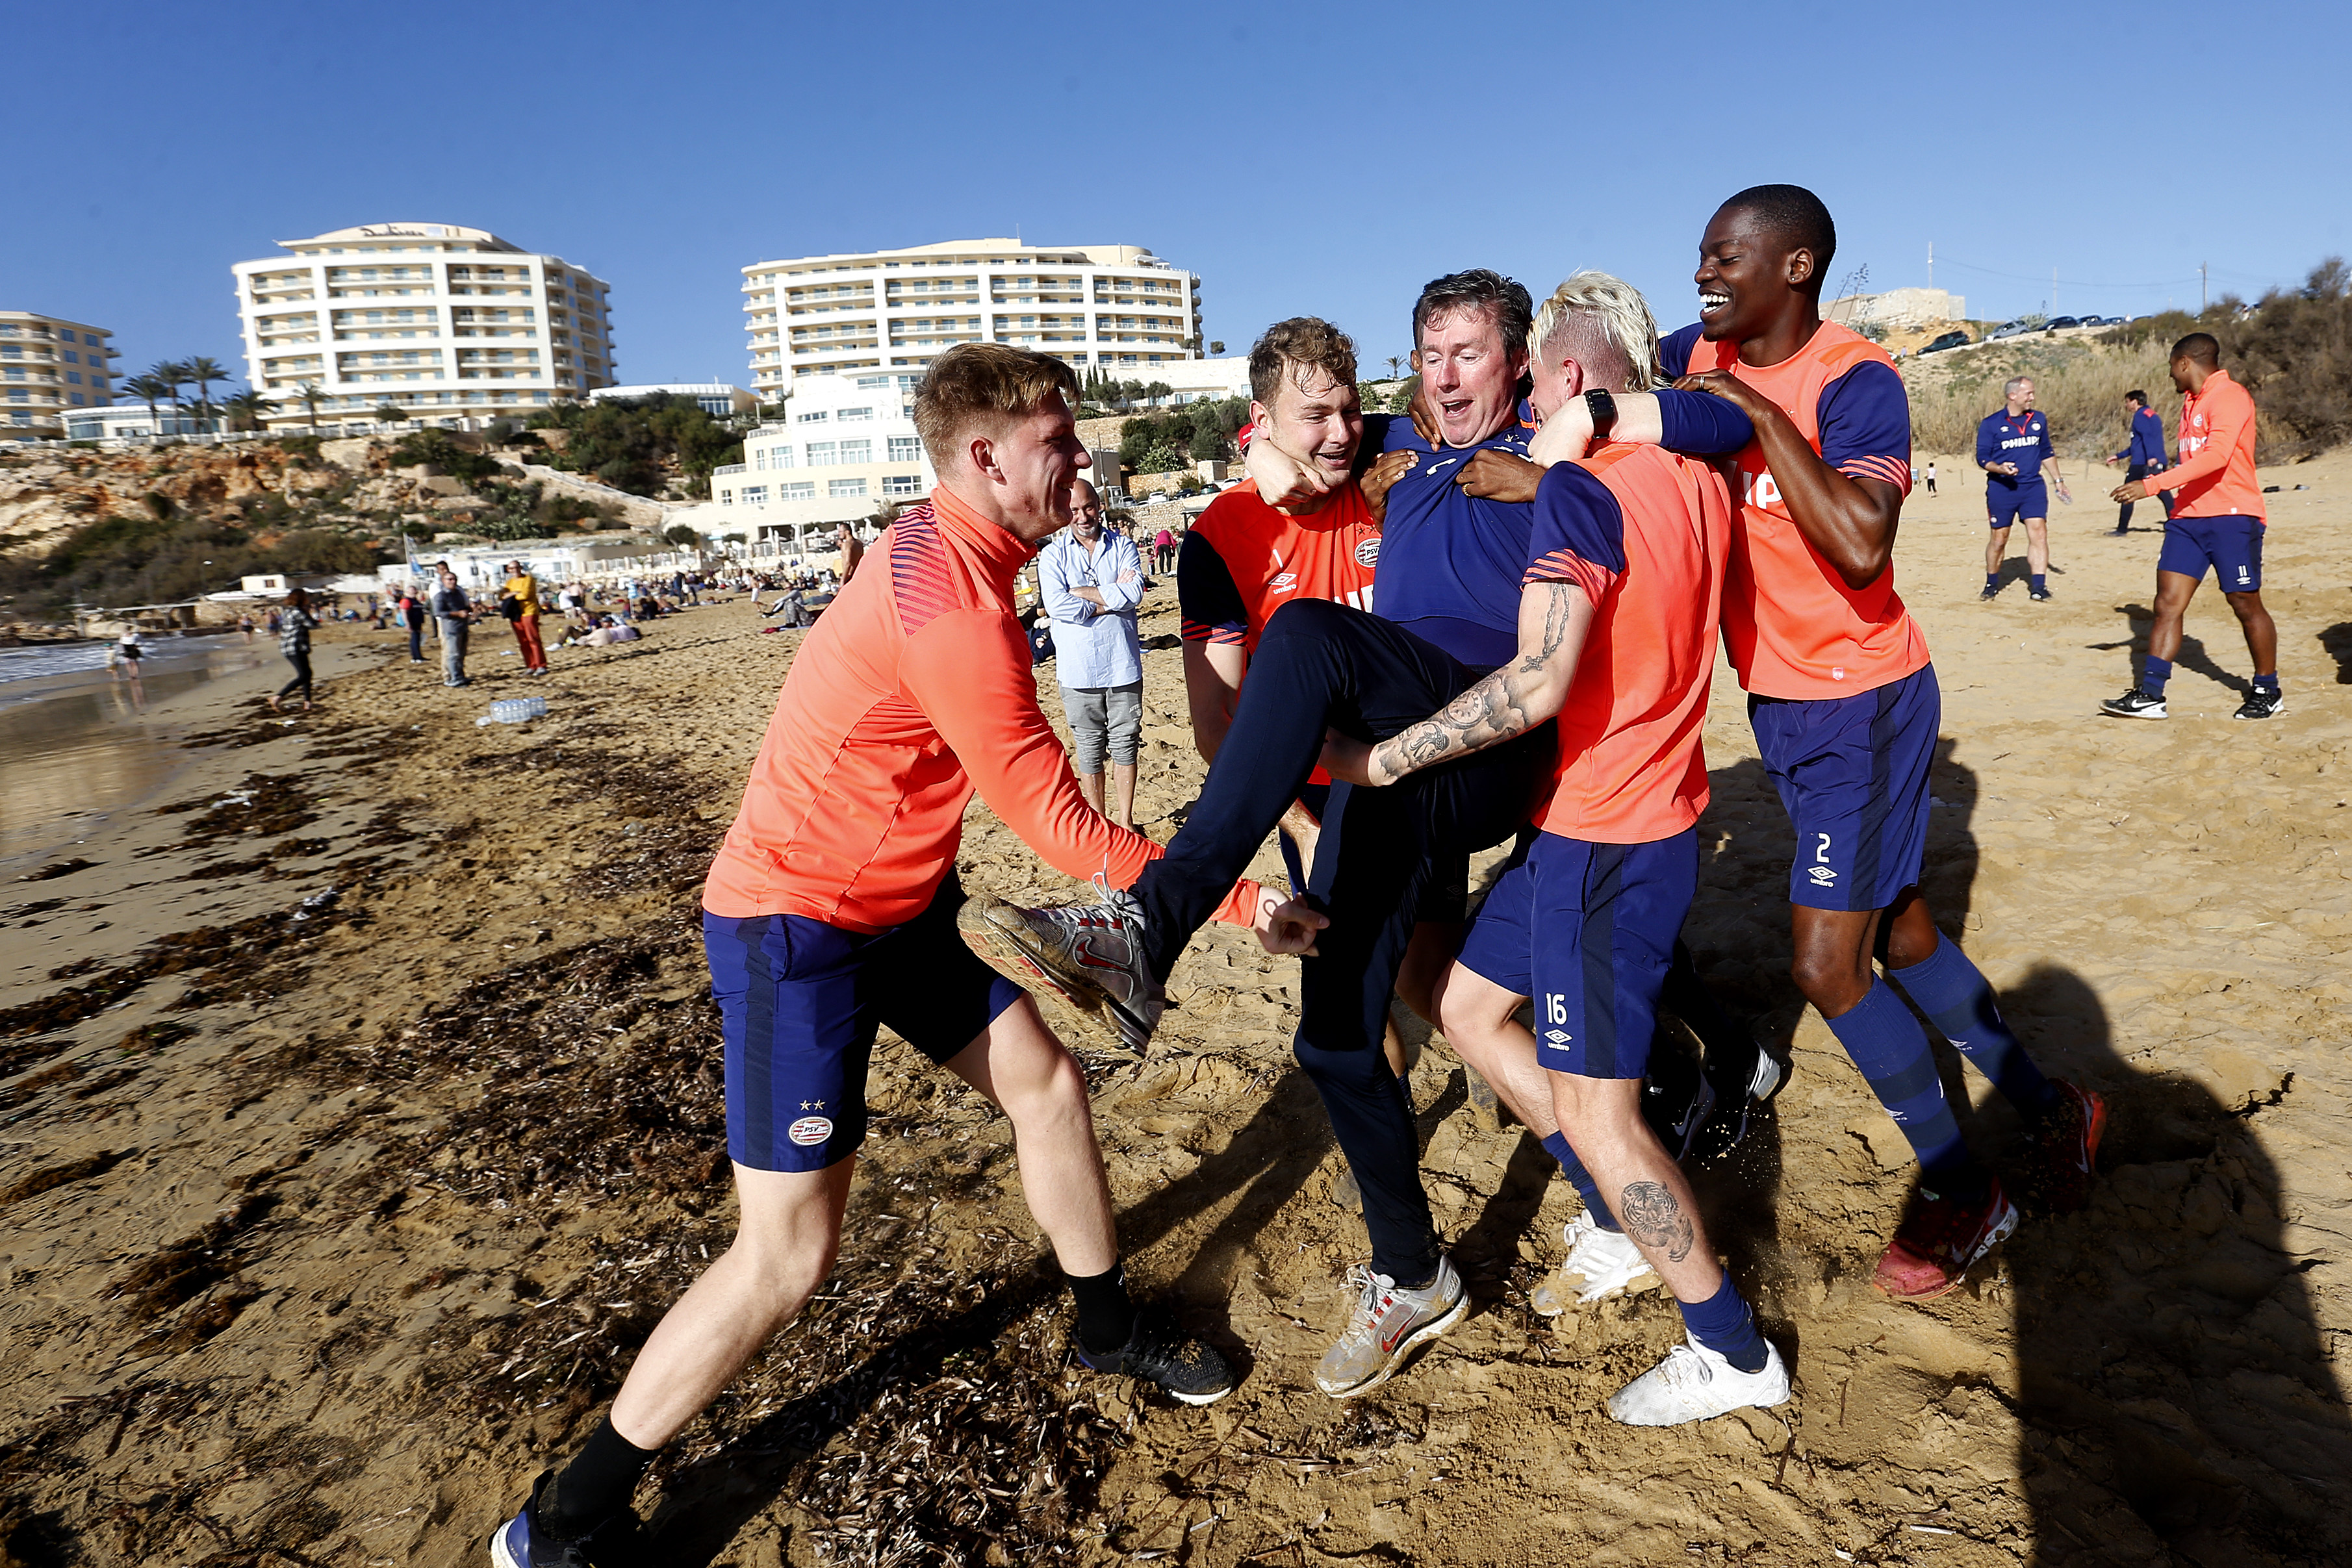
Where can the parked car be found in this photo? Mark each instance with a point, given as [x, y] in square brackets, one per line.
[2052, 326]
[2016, 329]
[1154, 498]
[1949, 341]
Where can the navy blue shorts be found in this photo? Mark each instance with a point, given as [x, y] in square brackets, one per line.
[1852, 772]
[798, 1003]
[2005, 504]
[1587, 931]
[2232, 546]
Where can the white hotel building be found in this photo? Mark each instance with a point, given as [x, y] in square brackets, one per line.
[1118, 308]
[844, 447]
[441, 321]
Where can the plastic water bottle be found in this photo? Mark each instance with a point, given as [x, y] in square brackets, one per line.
[519, 710]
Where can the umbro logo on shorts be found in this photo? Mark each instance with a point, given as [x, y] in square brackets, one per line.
[810, 1130]
[1558, 1035]
[1822, 874]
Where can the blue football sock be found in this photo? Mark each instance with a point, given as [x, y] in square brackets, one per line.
[1724, 1324]
[2266, 682]
[1993, 580]
[2154, 674]
[1887, 1043]
[1953, 992]
[2038, 583]
[1582, 1179]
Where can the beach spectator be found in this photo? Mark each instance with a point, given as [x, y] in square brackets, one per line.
[294, 641]
[1164, 551]
[523, 588]
[454, 612]
[1931, 475]
[1091, 580]
[123, 660]
[412, 615]
[853, 550]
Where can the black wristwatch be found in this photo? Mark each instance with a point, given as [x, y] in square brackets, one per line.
[1603, 409]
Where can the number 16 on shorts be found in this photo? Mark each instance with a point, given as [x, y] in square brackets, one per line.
[1555, 1014]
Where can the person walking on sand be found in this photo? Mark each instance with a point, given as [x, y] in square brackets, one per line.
[1090, 581]
[523, 587]
[2012, 446]
[831, 910]
[1931, 475]
[294, 625]
[412, 615]
[124, 658]
[2143, 455]
[2218, 521]
[453, 612]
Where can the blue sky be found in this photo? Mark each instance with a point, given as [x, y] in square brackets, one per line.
[1321, 158]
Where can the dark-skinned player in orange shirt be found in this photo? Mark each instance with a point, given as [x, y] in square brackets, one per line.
[1845, 708]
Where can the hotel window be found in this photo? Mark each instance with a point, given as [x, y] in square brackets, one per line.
[840, 489]
[72, 358]
[780, 457]
[902, 484]
[905, 448]
[816, 418]
[857, 452]
[755, 495]
[64, 336]
[847, 414]
[820, 454]
[800, 490]
[726, 498]
[868, 384]
[75, 377]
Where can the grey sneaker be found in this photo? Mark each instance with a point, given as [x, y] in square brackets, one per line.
[1386, 1323]
[1601, 1263]
[1089, 955]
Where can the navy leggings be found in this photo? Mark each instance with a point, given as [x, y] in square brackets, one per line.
[1324, 665]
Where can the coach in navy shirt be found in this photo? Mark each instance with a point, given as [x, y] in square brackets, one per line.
[2012, 446]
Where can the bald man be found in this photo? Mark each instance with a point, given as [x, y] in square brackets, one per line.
[2012, 444]
[1091, 579]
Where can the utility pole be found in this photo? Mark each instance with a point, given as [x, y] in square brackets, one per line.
[1931, 264]
[2053, 291]
[2201, 288]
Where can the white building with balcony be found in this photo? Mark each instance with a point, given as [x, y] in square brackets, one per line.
[1118, 308]
[844, 448]
[49, 367]
[438, 321]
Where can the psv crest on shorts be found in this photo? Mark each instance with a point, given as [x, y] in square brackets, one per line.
[810, 1130]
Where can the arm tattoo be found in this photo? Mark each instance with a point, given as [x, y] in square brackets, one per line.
[1655, 1220]
[1493, 711]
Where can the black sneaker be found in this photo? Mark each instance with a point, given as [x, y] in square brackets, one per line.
[2263, 702]
[2038, 595]
[2136, 703]
[523, 1541]
[1158, 1352]
[1991, 592]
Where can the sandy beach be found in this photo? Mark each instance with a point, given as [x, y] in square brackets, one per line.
[361, 1092]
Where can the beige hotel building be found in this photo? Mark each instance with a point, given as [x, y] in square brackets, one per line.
[1118, 308]
[442, 321]
[49, 366]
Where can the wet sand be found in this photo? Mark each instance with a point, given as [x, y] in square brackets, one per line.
[363, 1112]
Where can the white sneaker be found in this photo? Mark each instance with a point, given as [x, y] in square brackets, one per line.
[1090, 955]
[1694, 1383]
[1385, 1323]
[1600, 1264]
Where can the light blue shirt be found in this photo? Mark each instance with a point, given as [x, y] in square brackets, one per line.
[1093, 646]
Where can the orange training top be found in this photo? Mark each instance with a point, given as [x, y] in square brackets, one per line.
[1646, 534]
[1245, 559]
[2215, 475]
[914, 688]
[1791, 625]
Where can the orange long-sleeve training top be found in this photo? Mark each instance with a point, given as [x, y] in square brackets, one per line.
[915, 688]
[2215, 475]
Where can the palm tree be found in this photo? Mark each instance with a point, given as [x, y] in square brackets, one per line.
[310, 396]
[246, 409]
[173, 375]
[1396, 366]
[204, 370]
[148, 389]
